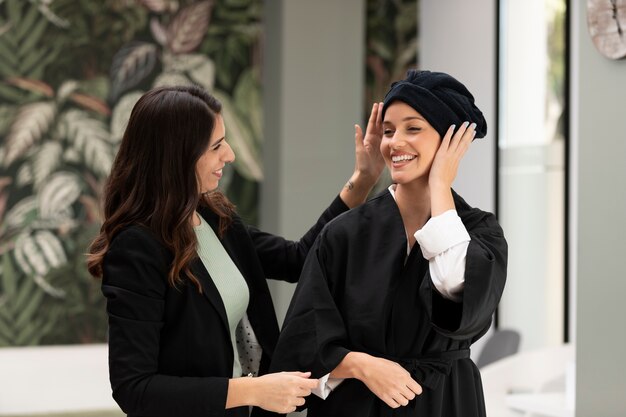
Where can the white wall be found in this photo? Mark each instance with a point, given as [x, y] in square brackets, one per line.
[458, 37]
[469, 54]
[597, 121]
[313, 83]
[54, 379]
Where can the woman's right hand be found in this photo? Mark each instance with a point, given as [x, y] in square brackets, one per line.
[389, 381]
[282, 392]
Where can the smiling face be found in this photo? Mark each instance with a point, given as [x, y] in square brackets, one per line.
[409, 144]
[218, 153]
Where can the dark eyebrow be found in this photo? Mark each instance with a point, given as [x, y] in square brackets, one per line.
[406, 119]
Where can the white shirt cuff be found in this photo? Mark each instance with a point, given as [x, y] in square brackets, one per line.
[447, 272]
[440, 233]
[325, 386]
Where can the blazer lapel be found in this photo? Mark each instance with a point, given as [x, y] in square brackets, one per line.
[229, 241]
[209, 290]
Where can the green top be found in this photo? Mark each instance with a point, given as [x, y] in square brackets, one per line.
[229, 282]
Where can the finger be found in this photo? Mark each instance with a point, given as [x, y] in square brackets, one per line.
[445, 143]
[400, 399]
[298, 374]
[371, 123]
[299, 401]
[390, 402]
[358, 135]
[467, 139]
[379, 118]
[308, 383]
[456, 138]
[407, 393]
[414, 387]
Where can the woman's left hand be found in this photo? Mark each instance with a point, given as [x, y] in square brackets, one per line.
[369, 161]
[452, 149]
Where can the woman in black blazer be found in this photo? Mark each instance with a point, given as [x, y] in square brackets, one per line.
[171, 348]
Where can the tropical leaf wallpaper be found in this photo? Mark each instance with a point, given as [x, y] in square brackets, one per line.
[70, 72]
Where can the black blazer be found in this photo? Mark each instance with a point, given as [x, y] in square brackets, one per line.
[170, 352]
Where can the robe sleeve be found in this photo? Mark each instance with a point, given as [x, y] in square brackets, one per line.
[313, 337]
[134, 284]
[485, 275]
[282, 259]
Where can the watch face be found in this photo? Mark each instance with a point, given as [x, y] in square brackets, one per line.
[606, 20]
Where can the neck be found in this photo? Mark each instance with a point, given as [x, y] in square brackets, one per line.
[413, 201]
[195, 219]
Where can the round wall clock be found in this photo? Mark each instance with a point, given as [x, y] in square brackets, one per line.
[606, 20]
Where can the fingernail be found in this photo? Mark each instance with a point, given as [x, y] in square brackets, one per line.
[465, 124]
[452, 127]
[473, 126]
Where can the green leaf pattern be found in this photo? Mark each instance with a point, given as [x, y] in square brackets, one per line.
[31, 123]
[62, 117]
[189, 27]
[131, 65]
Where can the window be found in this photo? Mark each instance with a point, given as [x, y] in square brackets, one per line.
[532, 149]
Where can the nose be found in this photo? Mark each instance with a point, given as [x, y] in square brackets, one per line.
[396, 141]
[229, 155]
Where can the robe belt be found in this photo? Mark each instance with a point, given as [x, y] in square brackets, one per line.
[430, 369]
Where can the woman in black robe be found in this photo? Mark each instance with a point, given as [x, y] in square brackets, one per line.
[394, 292]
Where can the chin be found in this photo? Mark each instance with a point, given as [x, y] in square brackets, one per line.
[402, 178]
[406, 179]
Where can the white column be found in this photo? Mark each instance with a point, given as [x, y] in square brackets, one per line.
[313, 87]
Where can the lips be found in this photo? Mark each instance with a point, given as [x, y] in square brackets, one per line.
[218, 173]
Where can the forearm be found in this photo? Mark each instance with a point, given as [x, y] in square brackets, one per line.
[351, 366]
[441, 199]
[357, 189]
[241, 392]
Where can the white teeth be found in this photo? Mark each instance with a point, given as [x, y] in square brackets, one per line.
[398, 158]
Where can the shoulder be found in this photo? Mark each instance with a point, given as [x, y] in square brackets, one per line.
[137, 242]
[360, 218]
[135, 235]
[137, 261]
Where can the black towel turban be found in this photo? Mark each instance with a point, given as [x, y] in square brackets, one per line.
[440, 98]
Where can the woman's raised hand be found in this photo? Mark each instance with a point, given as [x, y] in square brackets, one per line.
[449, 155]
[369, 160]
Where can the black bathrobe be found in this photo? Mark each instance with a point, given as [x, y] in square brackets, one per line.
[358, 291]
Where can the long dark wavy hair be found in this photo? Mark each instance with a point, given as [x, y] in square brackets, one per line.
[153, 180]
